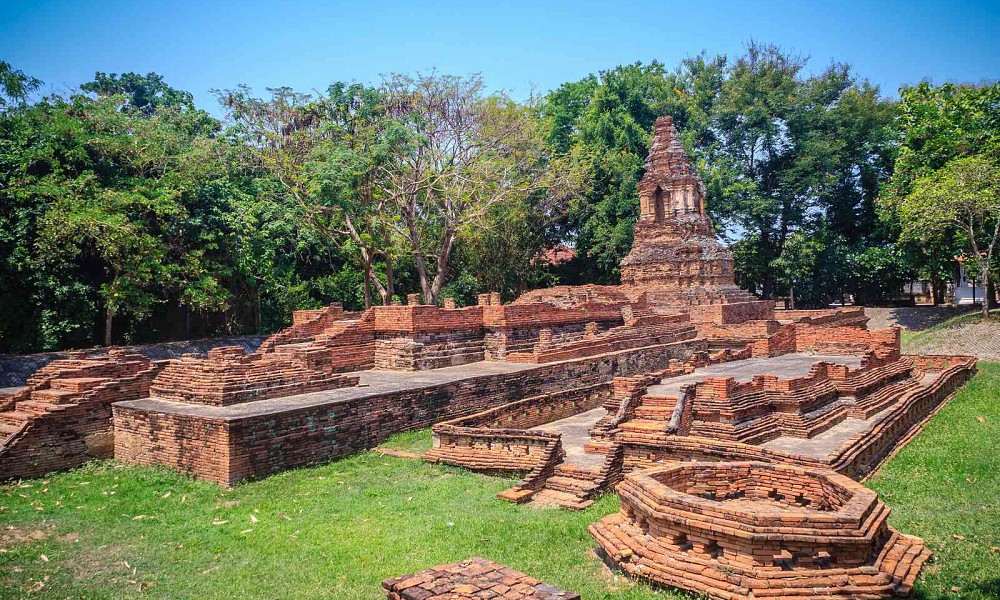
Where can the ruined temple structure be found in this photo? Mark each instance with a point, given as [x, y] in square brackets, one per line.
[733, 432]
[676, 259]
[472, 579]
[757, 530]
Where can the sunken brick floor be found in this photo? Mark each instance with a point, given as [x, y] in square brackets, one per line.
[475, 578]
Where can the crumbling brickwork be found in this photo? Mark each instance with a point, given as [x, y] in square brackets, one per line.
[473, 578]
[269, 439]
[675, 257]
[63, 417]
[747, 530]
[230, 376]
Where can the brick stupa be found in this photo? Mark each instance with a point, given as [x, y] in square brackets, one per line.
[676, 259]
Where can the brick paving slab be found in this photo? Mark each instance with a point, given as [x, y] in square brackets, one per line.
[575, 435]
[786, 366]
[473, 579]
[372, 383]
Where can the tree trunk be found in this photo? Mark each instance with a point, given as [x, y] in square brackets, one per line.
[985, 280]
[109, 316]
[390, 284]
[255, 301]
[791, 296]
[442, 266]
[368, 284]
[934, 290]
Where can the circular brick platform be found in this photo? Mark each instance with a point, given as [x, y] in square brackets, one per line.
[753, 530]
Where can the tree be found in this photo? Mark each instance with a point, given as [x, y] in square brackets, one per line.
[323, 151]
[15, 85]
[935, 125]
[461, 153]
[605, 122]
[777, 151]
[964, 194]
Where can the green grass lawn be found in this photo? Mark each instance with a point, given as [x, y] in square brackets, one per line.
[335, 531]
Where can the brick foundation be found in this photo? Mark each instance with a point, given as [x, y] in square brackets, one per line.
[62, 418]
[748, 530]
[191, 440]
[473, 578]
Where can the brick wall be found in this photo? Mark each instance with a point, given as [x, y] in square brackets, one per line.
[263, 444]
[230, 376]
[64, 417]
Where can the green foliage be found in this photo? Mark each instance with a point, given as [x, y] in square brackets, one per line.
[463, 289]
[938, 125]
[127, 202]
[877, 273]
[15, 85]
[962, 197]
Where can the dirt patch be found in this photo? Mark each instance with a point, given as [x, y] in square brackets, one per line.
[103, 562]
[12, 535]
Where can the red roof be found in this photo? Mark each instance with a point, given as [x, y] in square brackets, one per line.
[556, 255]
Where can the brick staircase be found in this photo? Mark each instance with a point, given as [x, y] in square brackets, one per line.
[652, 415]
[571, 486]
[67, 404]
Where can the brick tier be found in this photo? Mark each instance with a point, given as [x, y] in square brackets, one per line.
[756, 530]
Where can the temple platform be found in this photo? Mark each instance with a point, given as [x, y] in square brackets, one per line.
[231, 443]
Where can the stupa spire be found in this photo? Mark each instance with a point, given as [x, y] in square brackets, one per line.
[671, 186]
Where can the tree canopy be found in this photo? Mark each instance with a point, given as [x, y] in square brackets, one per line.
[129, 214]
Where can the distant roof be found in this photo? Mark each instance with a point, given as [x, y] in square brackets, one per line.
[556, 255]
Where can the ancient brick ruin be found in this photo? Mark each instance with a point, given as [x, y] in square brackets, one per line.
[475, 578]
[755, 530]
[676, 259]
[742, 412]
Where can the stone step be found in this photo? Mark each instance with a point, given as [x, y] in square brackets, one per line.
[34, 408]
[643, 426]
[13, 418]
[6, 429]
[578, 472]
[570, 485]
[660, 401]
[52, 396]
[548, 497]
[77, 384]
[654, 413]
[597, 447]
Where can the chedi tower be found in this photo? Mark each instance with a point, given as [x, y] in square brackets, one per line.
[676, 259]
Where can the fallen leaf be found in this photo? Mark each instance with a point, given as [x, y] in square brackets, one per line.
[958, 537]
[218, 521]
[44, 558]
[253, 519]
[981, 419]
[165, 496]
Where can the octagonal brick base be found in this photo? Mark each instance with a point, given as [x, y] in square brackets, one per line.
[755, 530]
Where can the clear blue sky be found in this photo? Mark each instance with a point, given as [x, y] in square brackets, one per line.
[517, 46]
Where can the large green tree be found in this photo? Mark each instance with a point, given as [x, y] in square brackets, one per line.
[963, 195]
[937, 125]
